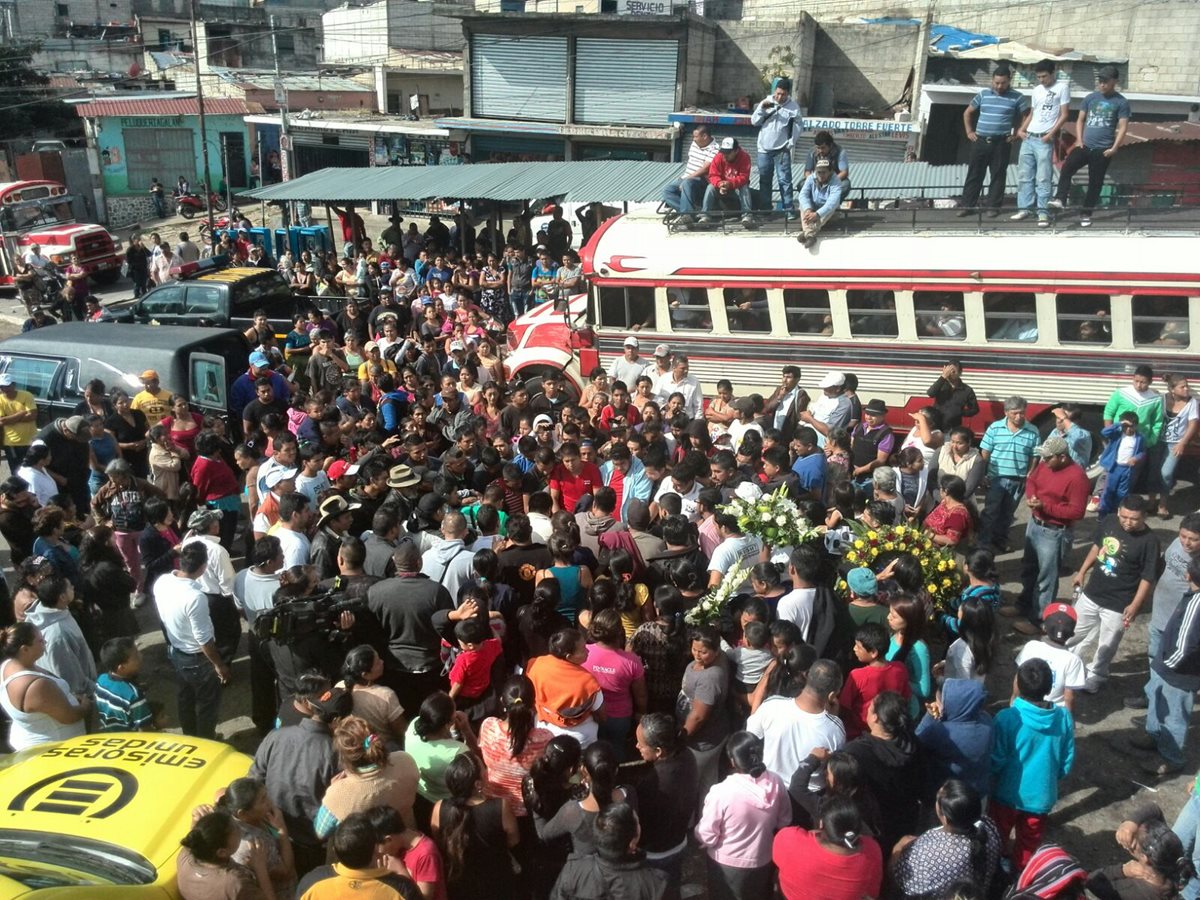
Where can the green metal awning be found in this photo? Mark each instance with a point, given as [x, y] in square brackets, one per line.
[589, 181]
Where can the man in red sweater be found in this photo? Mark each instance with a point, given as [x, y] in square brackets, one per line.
[1056, 493]
[728, 182]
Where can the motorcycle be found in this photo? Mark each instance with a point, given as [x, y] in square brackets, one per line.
[230, 221]
[189, 205]
[48, 284]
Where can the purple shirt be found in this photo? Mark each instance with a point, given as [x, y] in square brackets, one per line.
[615, 670]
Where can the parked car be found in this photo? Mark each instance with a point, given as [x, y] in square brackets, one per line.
[222, 298]
[100, 816]
[54, 363]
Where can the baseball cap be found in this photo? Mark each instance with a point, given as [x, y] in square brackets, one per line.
[662, 350]
[337, 469]
[258, 359]
[833, 379]
[728, 143]
[822, 163]
[275, 476]
[1052, 446]
[202, 518]
[456, 345]
[75, 424]
[149, 375]
[862, 581]
[631, 341]
[6, 380]
[369, 346]
[542, 419]
[1060, 609]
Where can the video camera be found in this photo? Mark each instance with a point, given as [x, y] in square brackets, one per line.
[315, 614]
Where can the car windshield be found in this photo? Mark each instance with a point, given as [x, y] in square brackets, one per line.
[41, 859]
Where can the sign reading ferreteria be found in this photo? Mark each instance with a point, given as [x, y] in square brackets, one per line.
[882, 129]
[151, 121]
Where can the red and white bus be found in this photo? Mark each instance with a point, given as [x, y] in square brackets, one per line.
[1054, 317]
[39, 212]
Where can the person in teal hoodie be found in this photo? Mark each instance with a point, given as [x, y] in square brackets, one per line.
[1033, 746]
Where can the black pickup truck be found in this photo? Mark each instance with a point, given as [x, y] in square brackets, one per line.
[222, 298]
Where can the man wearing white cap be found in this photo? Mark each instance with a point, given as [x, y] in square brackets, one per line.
[678, 380]
[819, 200]
[660, 367]
[628, 366]
[831, 410]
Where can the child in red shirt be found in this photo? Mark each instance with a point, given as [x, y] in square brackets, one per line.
[471, 673]
[874, 676]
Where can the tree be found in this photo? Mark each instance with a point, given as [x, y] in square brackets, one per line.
[28, 106]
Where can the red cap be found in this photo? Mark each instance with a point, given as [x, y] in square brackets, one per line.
[337, 469]
[1060, 609]
[549, 209]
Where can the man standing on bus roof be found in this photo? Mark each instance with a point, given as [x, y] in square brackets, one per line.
[819, 200]
[728, 176]
[825, 147]
[1035, 163]
[1000, 112]
[953, 397]
[1007, 448]
[1100, 132]
[685, 195]
[777, 118]
[787, 403]
[629, 365]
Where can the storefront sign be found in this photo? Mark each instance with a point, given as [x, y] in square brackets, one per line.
[868, 129]
[151, 121]
[623, 134]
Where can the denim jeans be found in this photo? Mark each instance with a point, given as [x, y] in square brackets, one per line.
[15, 457]
[999, 509]
[519, 301]
[1167, 472]
[197, 692]
[1168, 714]
[1185, 828]
[1039, 569]
[1035, 173]
[686, 194]
[776, 164]
[713, 199]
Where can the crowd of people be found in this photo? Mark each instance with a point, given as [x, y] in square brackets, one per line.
[495, 683]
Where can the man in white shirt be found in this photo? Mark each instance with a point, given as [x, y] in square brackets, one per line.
[684, 482]
[685, 195]
[785, 404]
[678, 379]
[1035, 165]
[187, 251]
[629, 365]
[294, 519]
[831, 410]
[217, 580]
[450, 562]
[33, 257]
[254, 593]
[199, 669]
[792, 728]
[735, 548]
[796, 606]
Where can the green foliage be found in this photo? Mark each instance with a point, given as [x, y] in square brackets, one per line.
[28, 106]
[781, 63]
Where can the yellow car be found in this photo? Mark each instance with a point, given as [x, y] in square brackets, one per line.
[100, 816]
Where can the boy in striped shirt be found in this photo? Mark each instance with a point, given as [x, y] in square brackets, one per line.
[119, 701]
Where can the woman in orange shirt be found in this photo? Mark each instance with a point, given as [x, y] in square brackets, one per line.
[567, 697]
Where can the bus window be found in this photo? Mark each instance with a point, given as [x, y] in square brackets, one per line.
[689, 309]
[807, 312]
[1010, 317]
[872, 313]
[627, 307]
[1084, 319]
[747, 310]
[1160, 321]
[940, 314]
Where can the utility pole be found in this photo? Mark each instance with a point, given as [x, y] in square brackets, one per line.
[200, 109]
[285, 152]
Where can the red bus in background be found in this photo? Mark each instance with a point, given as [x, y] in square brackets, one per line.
[39, 212]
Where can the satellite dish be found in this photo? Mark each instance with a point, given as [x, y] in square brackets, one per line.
[135, 70]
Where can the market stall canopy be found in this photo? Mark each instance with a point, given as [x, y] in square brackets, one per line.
[590, 181]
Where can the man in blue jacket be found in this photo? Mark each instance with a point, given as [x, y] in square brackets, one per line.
[1174, 680]
[819, 199]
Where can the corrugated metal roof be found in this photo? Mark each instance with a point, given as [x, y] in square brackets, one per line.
[580, 182]
[215, 106]
[293, 81]
[885, 180]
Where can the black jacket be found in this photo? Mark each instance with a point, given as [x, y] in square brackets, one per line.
[593, 878]
[1178, 659]
[411, 611]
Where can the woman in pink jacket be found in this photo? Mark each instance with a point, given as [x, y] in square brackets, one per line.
[740, 818]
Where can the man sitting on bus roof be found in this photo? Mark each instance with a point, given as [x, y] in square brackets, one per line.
[687, 193]
[728, 180]
[819, 199]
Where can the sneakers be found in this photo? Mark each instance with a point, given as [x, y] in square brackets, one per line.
[993, 213]
[963, 213]
[1138, 701]
[1056, 205]
[685, 220]
[137, 601]
[1085, 221]
[1143, 741]
[1020, 215]
[748, 221]
[792, 215]
[1093, 683]
[1043, 221]
[807, 242]
[1160, 768]
[705, 219]
[1024, 626]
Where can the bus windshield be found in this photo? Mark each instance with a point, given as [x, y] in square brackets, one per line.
[25, 208]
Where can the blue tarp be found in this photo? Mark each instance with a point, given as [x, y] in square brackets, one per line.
[943, 38]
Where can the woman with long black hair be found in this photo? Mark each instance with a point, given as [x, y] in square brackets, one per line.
[546, 789]
[964, 846]
[887, 756]
[511, 744]
[599, 776]
[662, 647]
[666, 795]
[836, 861]
[473, 828]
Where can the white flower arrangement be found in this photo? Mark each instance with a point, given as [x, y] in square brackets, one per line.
[712, 604]
[774, 518]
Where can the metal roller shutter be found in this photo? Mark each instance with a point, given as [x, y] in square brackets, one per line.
[865, 150]
[150, 152]
[623, 82]
[519, 77]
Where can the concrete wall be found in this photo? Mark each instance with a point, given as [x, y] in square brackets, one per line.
[743, 47]
[38, 18]
[1159, 39]
[863, 68]
[80, 54]
[444, 90]
[355, 33]
[414, 26]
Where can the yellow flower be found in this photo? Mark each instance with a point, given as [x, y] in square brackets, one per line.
[872, 535]
[858, 545]
[888, 545]
[942, 566]
[901, 530]
[851, 556]
[932, 588]
[946, 582]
